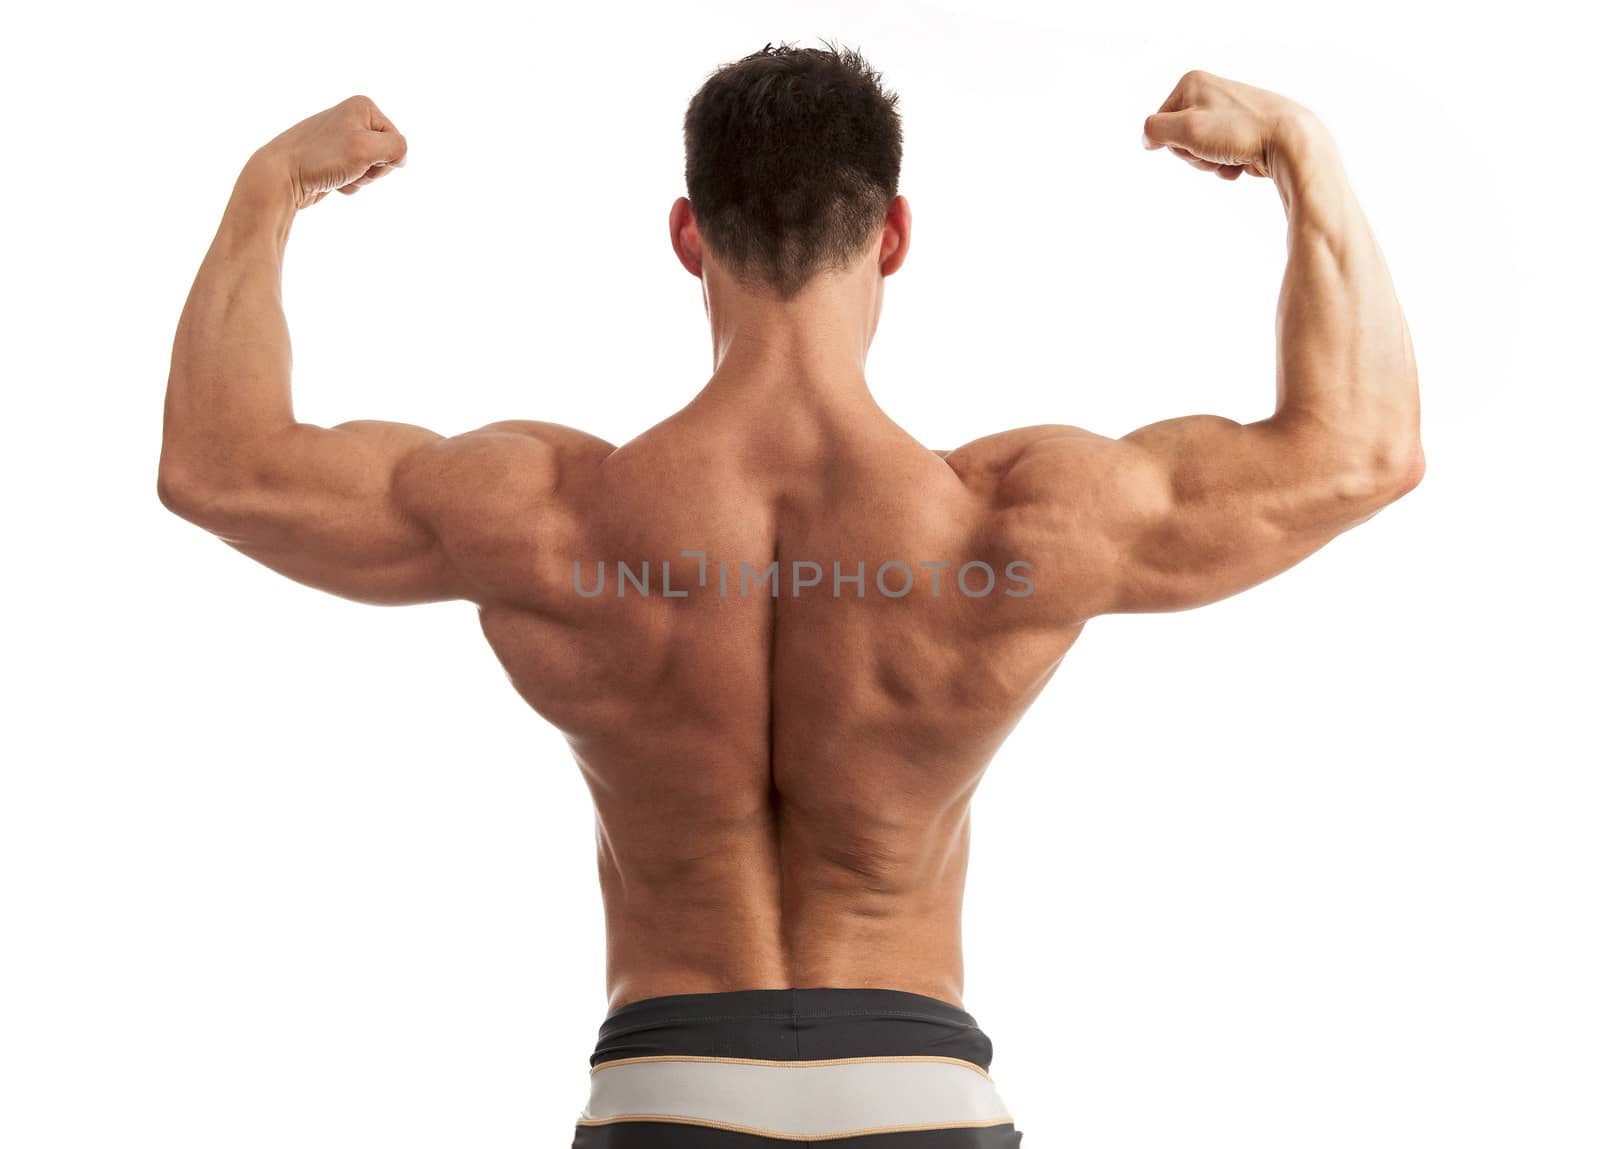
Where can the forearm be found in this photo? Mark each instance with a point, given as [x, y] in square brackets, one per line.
[1347, 381]
[228, 388]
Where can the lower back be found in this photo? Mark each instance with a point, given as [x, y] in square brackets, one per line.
[705, 906]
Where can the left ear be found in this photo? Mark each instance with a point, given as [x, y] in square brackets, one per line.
[896, 240]
[685, 236]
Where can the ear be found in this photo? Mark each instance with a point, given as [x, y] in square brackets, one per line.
[685, 236]
[896, 241]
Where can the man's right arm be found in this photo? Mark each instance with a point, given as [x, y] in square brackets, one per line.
[1191, 510]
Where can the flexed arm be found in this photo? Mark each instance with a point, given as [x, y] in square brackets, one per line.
[325, 506]
[1190, 510]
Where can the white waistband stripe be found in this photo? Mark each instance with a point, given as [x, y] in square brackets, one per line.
[796, 1099]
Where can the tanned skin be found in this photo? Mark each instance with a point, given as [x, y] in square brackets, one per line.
[782, 784]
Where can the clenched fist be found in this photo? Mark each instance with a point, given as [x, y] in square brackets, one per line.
[342, 149]
[1226, 127]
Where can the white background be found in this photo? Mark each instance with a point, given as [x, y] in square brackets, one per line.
[1315, 866]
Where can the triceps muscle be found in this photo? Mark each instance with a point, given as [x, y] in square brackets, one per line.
[1222, 506]
[320, 505]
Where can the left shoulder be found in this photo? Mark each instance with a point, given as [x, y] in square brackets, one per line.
[565, 441]
[519, 459]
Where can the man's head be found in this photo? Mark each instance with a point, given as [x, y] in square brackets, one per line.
[793, 167]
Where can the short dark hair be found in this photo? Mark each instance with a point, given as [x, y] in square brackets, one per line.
[793, 155]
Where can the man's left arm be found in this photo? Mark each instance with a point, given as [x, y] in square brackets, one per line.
[325, 506]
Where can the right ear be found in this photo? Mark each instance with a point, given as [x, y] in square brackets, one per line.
[896, 240]
[685, 236]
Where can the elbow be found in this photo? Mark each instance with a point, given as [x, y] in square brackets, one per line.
[188, 492]
[1382, 475]
[1400, 469]
[177, 488]
[220, 494]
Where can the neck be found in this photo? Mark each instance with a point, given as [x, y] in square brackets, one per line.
[810, 349]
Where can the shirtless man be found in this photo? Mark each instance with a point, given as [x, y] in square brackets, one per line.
[782, 637]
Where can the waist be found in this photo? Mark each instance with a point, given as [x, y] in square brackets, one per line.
[794, 1064]
[677, 945]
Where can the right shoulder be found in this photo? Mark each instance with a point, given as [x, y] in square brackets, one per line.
[1042, 463]
[1064, 499]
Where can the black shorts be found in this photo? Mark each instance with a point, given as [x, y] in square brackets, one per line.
[788, 1068]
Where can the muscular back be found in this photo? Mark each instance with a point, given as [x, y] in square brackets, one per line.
[781, 780]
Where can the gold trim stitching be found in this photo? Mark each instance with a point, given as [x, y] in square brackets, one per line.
[706, 1123]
